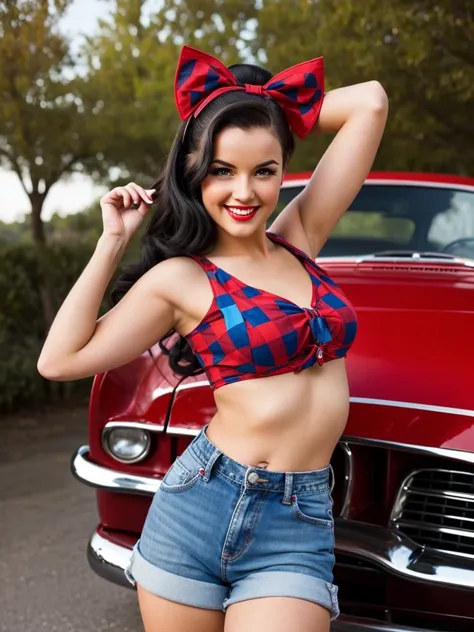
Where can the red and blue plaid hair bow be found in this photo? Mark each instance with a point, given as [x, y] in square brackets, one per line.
[299, 90]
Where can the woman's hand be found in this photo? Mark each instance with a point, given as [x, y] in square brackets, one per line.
[124, 209]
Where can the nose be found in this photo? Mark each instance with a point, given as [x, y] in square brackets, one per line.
[243, 191]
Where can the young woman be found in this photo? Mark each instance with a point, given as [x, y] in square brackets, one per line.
[240, 534]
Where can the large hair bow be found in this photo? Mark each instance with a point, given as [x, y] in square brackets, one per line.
[299, 90]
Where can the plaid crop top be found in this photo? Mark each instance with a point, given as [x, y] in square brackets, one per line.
[250, 333]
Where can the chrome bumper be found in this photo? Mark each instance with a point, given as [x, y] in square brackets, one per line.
[390, 550]
[109, 561]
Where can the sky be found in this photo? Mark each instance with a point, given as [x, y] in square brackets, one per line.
[78, 192]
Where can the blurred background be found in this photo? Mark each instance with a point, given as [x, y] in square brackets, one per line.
[86, 103]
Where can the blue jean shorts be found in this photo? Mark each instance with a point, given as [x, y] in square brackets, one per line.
[219, 532]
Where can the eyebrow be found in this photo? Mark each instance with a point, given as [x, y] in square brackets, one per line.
[262, 164]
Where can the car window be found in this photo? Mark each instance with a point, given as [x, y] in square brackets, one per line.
[400, 217]
[377, 224]
[455, 221]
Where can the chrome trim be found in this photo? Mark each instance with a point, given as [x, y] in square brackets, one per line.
[416, 183]
[105, 444]
[398, 554]
[413, 405]
[105, 478]
[354, 624]
[287, 184]
[468, 263]
[150, 427]
[191, 432]
[445, 515]
[414, 264]
[402, 494]
[108, 560]
[159, 392]
[448, 453]
[444, 494]
[348, 479]
[397, 521]
[413, 523]
[385, 547]
[416, 257]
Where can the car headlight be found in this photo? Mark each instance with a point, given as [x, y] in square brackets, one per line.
[127, 445]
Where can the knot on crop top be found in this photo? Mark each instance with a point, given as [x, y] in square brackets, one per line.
[250, 333]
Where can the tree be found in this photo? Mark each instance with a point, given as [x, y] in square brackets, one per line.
[43, 123]
[132, 65]
[420, 51]
[129, 88]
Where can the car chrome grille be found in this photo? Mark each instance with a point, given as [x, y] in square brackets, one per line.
[435, 508]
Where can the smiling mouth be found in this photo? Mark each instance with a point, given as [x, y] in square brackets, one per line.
[241, 213]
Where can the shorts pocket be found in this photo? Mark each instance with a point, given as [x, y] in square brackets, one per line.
[183, 474]
[315, 508]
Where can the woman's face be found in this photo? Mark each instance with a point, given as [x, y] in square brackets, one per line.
[242, 187]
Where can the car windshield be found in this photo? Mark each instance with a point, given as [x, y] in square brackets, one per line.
[401, 218]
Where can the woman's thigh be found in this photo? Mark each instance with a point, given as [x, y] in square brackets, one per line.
[161, 615]
[278, 614]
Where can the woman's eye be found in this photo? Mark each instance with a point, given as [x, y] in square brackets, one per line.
[220, 171]
[224, 171]
[266, 172]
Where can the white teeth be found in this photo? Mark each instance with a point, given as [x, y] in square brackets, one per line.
[240, 211]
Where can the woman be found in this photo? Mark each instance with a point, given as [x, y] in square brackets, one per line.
[240, 533]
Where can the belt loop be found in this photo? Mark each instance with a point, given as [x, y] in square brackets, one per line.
[207, 471]
[332, 477]
[288, 489]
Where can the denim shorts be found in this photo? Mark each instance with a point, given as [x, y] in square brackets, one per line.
[219, 532]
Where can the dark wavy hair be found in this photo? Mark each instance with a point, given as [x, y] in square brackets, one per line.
[180, 224]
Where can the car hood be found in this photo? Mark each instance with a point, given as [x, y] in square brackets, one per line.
[411, 367]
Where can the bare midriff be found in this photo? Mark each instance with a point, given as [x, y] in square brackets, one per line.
[283, 423]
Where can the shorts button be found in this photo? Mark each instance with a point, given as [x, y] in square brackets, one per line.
[252, 477]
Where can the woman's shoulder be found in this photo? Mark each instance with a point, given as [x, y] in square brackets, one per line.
[177, 276]
[183, 283]
[176, 267]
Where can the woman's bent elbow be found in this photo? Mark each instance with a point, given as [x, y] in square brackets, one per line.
[52, 371]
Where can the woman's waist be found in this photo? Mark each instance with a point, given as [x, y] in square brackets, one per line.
[288, 422]
[298, 448]
[280, 442]
[268, 404]
[210, 456]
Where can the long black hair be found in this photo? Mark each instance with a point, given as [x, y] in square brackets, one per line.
[180, 225]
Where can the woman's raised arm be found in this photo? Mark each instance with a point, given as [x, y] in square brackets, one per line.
[78, 345]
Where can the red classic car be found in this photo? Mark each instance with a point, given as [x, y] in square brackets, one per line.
[404, 495]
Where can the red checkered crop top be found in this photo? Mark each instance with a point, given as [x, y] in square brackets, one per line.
[250, 333]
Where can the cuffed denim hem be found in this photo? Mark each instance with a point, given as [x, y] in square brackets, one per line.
[285, 584]
[189, 592]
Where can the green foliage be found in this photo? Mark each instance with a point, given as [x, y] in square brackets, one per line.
[420, 51]
[129, 89]
[22, 328]
[43, 124]
[131, 70]
[72, 240]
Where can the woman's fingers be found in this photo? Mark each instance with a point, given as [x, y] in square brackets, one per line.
[139, 194]
[120, 195]
[130, 196]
